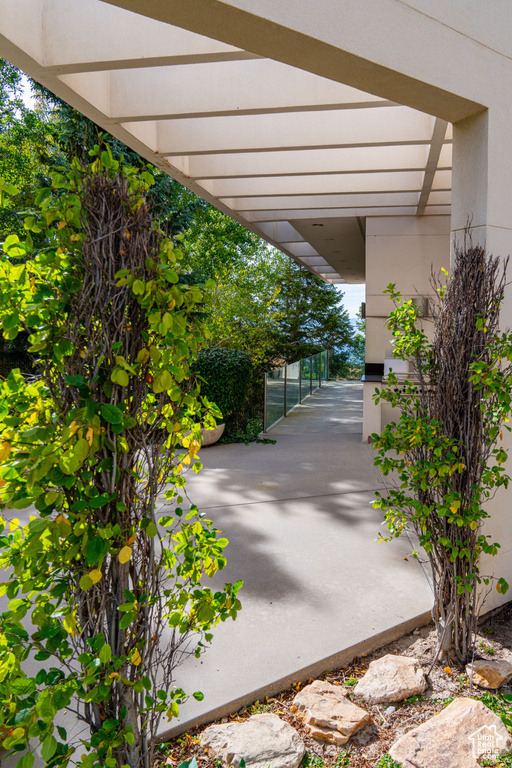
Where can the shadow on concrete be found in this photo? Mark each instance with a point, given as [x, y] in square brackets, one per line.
[318, 588]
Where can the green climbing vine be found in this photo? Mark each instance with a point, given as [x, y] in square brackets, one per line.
[444, 453]
[106, 566]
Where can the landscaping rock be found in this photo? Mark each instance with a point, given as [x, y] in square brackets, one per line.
[391, 678]
[264, 741]
[328, 714]
[459, 737]
[490, 674]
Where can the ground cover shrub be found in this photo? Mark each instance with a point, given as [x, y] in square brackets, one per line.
[88, 448]
[445, 447]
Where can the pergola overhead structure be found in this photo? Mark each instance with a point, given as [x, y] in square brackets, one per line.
[298, 158]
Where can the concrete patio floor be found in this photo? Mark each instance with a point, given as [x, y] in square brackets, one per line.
[318, 588]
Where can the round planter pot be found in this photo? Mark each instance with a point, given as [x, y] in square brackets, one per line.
[210, 436]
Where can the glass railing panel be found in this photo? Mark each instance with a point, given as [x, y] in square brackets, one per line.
[316, 371]
[306, 377]
[287, 386]
[323, 365]
[275, 396]
[292, 385]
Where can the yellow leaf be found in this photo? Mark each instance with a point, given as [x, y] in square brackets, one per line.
[186, 460]
[194, 446]
[95, 576]
[74, 427]
[125, 554]
[5, 450]
[90, 435]
[447, 670]
[2, 482]
[69, 623]
[453, 509]
[114, 675]
[14, 524]
[61, 225]
[18, 733]
[473, 525]
[130, 540]
[136, 658]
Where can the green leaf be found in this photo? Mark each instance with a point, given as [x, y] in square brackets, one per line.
[126, 621]
[151, 530]
[49, 748]
[86, 582]
[105, 654]
[198, 695]
[120, 377]
[96, 548]
[27, 761]
[111, 414]
[81, 449]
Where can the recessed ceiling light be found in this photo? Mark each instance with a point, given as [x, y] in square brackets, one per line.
[317, 225]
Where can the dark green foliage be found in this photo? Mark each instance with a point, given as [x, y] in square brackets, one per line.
[311, 315]
[225, 375]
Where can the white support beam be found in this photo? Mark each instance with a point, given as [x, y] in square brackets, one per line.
[318, 202]
[436, 145]
[358, 127]
[348, 46]
[315, 184]
[228, 88]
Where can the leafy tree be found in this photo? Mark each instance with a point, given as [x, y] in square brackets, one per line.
[311, 314]
[112, 420]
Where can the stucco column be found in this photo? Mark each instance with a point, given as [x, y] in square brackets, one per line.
[481, 194]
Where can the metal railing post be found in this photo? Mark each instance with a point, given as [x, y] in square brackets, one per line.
[320, 370]
[265, 405]
[311, 375]
[327, 366]
[285, 383]
[300, 381]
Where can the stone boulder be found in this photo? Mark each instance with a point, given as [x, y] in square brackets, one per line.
[263, 741]
[460, 736]
[391, 678]
[490, 674]
[327, 713]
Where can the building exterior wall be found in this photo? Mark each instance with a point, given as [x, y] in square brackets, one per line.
[404, 251]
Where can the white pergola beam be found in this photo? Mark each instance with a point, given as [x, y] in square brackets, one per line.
[228, 88]
[336, 213]
[358, 127]
[432, 163]
[315, 184]
[319, 202]
[300, 162]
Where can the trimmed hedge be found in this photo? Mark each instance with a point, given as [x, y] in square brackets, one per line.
[225, 378]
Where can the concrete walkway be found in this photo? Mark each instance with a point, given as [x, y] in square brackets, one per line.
[318, 589]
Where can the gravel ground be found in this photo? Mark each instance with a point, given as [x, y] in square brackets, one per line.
[389, 722]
